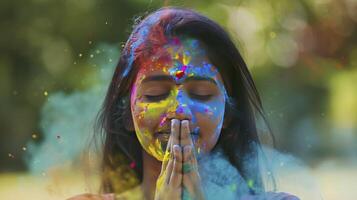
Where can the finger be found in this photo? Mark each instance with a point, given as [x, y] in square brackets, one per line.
[187, 182]
[191, 180]
[193, 158]
[175, 132]
[167, 156]
[165, 175]
[185, 138]
[176, 175]
[189, 187]
[166, 167]
[192, 186]
[168, 171]
[189, 161]
[175, 126]
[167, 164]
[187, 153]
[192, 175]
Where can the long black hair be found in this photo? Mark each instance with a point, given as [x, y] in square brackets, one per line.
[122, 153]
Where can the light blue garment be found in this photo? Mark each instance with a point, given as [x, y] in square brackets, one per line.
[219, 179]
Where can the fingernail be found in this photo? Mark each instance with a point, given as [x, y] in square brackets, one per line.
[172, 124]
[184, 122]
[187, 149]
[176, 148]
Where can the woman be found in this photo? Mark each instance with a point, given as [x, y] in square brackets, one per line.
[181, 96]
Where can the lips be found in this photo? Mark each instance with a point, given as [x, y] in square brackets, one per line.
[167, 130]
[165, 135]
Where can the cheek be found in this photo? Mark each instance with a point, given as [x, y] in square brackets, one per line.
[211, 112]
[209, 117]
[149, 115]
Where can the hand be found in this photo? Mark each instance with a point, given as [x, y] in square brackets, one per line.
[169, 183]
[179, 170]
[270, 196]
[191, 177]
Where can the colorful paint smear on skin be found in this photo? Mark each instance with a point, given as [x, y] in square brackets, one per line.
[181, 60]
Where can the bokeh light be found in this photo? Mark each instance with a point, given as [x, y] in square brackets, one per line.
[58, 58]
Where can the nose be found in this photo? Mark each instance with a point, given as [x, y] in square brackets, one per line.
[180, 107]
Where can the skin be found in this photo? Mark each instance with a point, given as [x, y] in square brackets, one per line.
[178, 82]
[179, 86]
[172, 179]
[177, 91]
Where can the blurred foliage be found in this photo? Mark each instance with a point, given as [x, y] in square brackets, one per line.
[302, 54]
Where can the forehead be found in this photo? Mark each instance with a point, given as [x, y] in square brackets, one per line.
[179, 58]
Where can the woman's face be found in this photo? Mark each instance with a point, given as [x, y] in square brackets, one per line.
[177, 81]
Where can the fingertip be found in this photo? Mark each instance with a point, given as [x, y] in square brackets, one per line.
[187, 149]
[176, 149]
[187, 153]
[178, 153]
[185, 124]
[174, 122]
[175, 129]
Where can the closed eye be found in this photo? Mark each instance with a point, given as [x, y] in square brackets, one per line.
[201, 97]
[156, 98]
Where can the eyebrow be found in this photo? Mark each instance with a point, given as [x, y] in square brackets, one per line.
[200, 78]
[170, 78]
[158, 78]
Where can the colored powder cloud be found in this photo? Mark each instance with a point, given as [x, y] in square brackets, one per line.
[67, 119]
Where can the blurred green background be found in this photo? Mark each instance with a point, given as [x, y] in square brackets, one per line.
[302, 54]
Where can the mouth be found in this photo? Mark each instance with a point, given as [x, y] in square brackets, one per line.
[165, 135]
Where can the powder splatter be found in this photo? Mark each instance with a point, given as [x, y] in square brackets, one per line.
[72, 115]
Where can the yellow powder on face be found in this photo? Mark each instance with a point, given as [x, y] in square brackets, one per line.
[186, 59]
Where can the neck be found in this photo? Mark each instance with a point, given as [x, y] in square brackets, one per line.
[151, 171]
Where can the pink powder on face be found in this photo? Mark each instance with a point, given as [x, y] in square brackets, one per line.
[179, 74]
